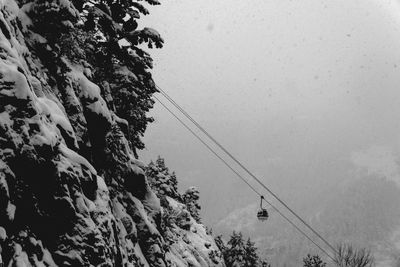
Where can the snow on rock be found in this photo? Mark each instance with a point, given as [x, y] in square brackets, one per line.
[74, 157]
[71, 191]
[50, 108]
[13, 82]
[90, 93]
[194, 246]
[3, 234]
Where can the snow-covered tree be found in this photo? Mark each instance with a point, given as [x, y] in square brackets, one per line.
[238, 253]
[123, 64]
[104, 37]
[220, 243]
[264, 263]
[161, 180]
[251, 257]
[191, 198]
[235, 252]
[313, 261]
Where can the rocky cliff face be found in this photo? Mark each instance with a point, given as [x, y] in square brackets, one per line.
[71, 190]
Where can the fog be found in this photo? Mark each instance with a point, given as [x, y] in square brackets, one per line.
[304, 93]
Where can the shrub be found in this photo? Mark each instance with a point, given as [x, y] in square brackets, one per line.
[348, 256]
[313, 261]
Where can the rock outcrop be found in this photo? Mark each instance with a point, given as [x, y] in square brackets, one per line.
[72, 192]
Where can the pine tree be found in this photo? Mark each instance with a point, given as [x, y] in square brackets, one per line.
[191, 198]
[238, 253]
[220, 243]
[235, 253]
[251, 257]
[161, 181]
[160, 163]
[313, 261]
[264, 263]
[104, 35]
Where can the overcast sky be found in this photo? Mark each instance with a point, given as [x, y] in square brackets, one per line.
[298, 90]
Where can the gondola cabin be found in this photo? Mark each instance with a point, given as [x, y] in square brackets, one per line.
[262, 215]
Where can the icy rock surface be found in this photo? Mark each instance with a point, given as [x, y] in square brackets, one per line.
[71, 191]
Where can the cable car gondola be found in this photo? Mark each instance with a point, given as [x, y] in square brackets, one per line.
[262, 213]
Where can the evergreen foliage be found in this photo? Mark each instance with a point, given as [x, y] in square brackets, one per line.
[238, 252]
[161, 180]
[191, 198]
[220, 243]
[235, 252]
[122, 62]
[251, 257]
[313, 261]
[103, 36]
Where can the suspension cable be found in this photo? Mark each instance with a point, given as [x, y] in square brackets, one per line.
[243, 167]
[301, 231]
[209, 148]
[243, 179]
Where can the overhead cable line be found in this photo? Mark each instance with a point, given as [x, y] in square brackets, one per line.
[209, 148]
[242, 178]
[243, 167]
[301, 231]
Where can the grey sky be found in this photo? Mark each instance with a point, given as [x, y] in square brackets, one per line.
[294, 88]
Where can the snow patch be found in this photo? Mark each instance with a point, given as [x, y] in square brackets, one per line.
[5, 120]
[90, 92]
[75, 157]
[48, 133]
[26, 22]
[13, 82]
[50, 108]
[152, 229]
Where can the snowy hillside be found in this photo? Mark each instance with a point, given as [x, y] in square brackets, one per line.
[71, 191]
[364, 213]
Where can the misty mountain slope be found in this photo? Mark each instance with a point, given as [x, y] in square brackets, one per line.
[71, 191]
[364, 212]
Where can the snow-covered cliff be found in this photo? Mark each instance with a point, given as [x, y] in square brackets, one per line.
[71, 190]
